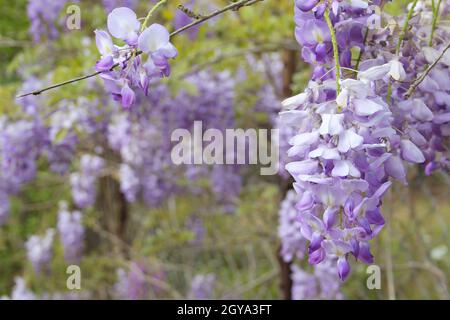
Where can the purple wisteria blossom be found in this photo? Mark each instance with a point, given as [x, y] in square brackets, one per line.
[21, 143]
[134, 70]
[351, 141]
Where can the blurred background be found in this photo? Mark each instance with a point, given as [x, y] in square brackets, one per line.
[94, 185]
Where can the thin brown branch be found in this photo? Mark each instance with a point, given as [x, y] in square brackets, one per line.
[234, 7]
[419, 80]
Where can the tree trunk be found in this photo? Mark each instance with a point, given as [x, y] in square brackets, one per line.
[290, 58]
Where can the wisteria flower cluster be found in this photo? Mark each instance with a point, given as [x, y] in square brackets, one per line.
[355, 130]
[135, 70]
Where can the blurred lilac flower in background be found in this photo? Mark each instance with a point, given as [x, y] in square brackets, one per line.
[202, 287]
[40, 250]
[71, 232]
[110, 5]
[45, 18]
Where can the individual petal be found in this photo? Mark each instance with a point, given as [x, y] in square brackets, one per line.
[331, 124]
[397, 72]
[364, 253]
[360, 4]
[343, 97]
[293, 117]
[104, 43]
[344, 168]
[430, 54]
[355, 247]
[357, 88]
[316, 242]
[366, 107]
[128, 96]
[153, 38]
[316, 257]
[375, 217]
[329, 217]
[421, 111]
[325, 153]
[308, 166]
[306, 5]
[104, 64]
[295, 101]
[331, 154]
[341, 169]
[168, 51]
[442, 118]
[410, 152]
[311, 220]
[336, 247]
[306, 202]
[151, 69]
[349, 139]
[394, 168]
[375, 73]
[343, 268]
[349, 208]
[307, 138]
[122, 22]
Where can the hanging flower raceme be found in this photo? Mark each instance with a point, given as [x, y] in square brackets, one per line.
[354, 136]
[144, 56]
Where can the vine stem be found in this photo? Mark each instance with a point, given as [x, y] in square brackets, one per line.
[150, 13]
[400, 41]
[335, 51]
[234, 6]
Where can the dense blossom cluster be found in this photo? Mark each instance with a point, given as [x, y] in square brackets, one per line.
[143, 140]
[354, 136]
[139, 140]
[21, 143]
[134, 70]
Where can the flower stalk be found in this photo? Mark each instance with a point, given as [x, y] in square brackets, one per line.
[150, 13]
[335, 51]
